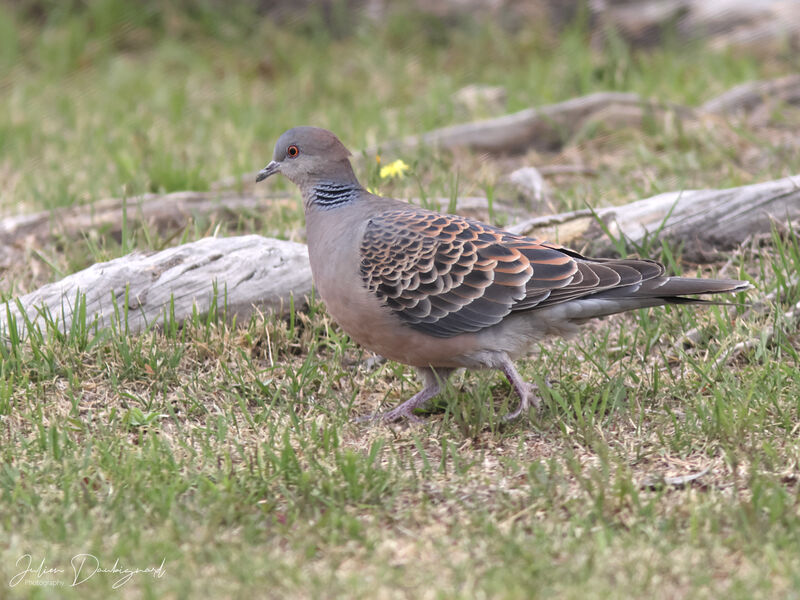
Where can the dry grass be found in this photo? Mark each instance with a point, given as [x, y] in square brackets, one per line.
[231, 453]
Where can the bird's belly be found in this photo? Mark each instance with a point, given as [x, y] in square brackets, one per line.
[374, 327]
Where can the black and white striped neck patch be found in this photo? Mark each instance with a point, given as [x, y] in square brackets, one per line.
[328, 194]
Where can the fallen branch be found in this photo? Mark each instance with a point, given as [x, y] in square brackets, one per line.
[751, 94]
[164, 213]
[255, 272]
[170, 210]
[241, 274]
[546, 127]
[702, 220]
[549, 127]
[766, 27]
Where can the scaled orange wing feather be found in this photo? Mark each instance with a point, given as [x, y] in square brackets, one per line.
[446, 275]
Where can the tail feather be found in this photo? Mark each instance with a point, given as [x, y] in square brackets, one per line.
[629, 279]
[627, 298]
[649, 288]
[674, 288]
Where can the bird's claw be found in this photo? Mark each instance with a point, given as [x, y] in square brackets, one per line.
[530, 398]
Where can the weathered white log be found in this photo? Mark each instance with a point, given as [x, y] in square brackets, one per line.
[638, 22]
[245, 273]
[162, 212]
[764, 26]
[550, 126]
[546, 126]
[751, 94]
[165, 210]
[701, 219]
[253, 272]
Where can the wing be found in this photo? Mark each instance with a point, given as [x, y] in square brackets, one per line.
[446, 275]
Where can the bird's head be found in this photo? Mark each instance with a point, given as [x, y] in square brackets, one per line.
[308, 155]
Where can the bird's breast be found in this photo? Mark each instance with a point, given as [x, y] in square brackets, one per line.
[334, 249]
[335, 266]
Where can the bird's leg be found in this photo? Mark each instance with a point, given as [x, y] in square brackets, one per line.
[524, 390]
[434, 383]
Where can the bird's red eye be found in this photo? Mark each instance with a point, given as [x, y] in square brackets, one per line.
[292, 151]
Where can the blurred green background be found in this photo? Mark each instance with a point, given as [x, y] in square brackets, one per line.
[231, 451]
[104, 97]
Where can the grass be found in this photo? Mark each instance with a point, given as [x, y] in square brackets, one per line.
[228, 451]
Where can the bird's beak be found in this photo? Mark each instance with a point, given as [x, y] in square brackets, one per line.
[270, 169]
